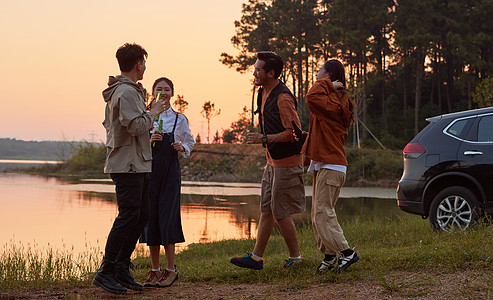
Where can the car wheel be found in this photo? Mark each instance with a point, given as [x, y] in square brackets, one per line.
[454, 208]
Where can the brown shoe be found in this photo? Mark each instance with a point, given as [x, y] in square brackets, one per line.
[168, 278]
[153, 278]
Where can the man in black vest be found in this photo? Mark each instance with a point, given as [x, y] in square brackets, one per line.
[283, 193]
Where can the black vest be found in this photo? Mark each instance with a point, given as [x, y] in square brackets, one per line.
[272, 123]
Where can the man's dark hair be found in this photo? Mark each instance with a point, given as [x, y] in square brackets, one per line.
[169, 82]
[128, 55]
[272, 62]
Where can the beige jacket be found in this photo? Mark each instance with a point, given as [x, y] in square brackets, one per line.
[127, 126]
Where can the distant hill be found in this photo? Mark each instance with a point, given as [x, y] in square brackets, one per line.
[46, 150]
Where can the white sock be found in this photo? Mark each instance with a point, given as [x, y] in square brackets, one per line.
[155, 270]
[295, 258]
[256, 257]
[171, 270]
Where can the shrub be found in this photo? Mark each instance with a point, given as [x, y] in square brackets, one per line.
[88, 158]
[373, 164]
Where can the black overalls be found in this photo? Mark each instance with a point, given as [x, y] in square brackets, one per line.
[164, 225]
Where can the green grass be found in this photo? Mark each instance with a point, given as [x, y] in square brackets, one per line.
[386, 247]
[406, 244]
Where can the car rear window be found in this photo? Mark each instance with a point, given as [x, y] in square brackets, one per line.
[485, 129]
[457, 129]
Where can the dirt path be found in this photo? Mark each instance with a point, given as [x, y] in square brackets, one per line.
[467, 284]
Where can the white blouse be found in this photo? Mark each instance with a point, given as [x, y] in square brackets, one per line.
[317, 165]
[182, 130]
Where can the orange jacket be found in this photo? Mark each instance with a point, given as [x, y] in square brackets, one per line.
[330, 118]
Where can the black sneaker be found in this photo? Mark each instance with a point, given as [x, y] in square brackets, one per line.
[291, 262]
[326, 265]
[248, 261]
[345, 262]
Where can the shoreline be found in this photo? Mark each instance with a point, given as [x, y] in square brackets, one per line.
[104, 185]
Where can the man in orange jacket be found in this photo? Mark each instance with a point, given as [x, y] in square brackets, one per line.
[283, 192]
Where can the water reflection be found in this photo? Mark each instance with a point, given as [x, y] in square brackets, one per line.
[34, 213]
[48, 213]
[221, 217]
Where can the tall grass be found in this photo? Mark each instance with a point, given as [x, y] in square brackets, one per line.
[22, 266]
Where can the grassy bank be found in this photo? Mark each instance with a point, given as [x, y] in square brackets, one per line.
[236, 163]
[405, 245]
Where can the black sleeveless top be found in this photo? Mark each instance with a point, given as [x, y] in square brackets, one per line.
[272, 122]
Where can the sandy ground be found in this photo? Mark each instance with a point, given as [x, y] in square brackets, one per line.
[467, 284]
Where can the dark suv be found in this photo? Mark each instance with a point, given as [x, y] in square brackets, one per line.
[448, 170]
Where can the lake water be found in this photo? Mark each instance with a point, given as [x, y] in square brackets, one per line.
[42, 213]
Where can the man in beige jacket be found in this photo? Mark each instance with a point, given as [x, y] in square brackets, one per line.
[128, 161]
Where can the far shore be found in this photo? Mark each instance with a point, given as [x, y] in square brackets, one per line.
[104, 185]
[232, 163]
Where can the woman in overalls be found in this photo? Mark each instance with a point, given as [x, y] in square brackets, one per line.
[169, 137]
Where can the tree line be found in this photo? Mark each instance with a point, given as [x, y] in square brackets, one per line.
[34, 150]
[405, 60]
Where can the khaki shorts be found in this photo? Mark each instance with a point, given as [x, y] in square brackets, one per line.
[283, 192]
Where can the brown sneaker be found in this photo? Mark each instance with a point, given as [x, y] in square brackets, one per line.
[168, 278]
[153, 278]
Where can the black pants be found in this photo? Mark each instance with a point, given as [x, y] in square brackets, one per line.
[132, 196]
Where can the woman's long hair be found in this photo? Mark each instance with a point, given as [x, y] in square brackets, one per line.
[336, 71]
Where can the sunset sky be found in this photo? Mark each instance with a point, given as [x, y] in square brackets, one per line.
[56, 56]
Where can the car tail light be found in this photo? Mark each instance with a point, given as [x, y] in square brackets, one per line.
[413, 150]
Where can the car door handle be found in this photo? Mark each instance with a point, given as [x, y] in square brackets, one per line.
[473, 153]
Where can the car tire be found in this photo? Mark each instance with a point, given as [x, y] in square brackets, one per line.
[454, 208]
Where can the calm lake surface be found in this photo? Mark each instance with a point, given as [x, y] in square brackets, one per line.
[48, 213]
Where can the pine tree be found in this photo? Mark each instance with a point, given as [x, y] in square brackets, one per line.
[180, 104]
[209, 112]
